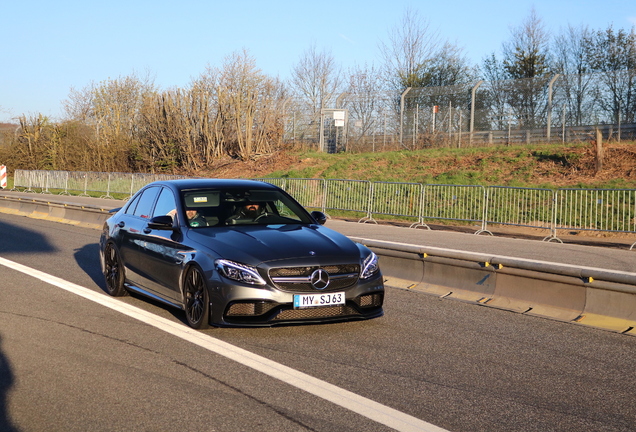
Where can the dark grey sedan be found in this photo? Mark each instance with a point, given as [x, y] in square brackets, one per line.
[237, 253]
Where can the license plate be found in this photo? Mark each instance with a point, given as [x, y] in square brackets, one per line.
[317, 300]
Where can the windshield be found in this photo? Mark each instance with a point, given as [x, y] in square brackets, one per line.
[210, 207]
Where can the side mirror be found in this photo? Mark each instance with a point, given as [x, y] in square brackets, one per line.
[320, 217]
[163, 222]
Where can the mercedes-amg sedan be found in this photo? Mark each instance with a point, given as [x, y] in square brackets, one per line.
[237, 253]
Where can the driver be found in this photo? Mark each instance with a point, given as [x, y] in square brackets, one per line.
[249, 211]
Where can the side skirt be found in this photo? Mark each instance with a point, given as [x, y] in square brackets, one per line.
[151, 295]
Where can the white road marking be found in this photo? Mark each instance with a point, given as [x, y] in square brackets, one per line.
[366, 407]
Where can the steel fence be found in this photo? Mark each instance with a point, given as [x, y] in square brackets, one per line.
[85, 182]
[396, 199]
[610, 210]
[349, 196]
[309, 192]
[450, 202]
[527, 207]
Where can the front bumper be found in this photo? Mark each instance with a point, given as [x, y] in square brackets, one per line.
[268, 306]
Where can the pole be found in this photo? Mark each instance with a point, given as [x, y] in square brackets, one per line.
[450, 123]
[402, 115]
[472, 112]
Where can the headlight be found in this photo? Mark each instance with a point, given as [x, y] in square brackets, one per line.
[239, 272]
[369, 266]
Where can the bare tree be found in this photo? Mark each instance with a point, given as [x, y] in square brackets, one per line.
[613, 55]
[526, 55]
[411, 45]
[572, 61]
[250, 115]
[111, 109]
[363, 101]
[316, 79]
[526, 59]
[79, 105]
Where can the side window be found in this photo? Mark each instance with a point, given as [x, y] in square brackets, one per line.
[144, 207]
[165, 203]
[283, 210]
[132, 205]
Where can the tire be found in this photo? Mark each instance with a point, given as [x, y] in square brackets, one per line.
[196, 299]
[114, 271]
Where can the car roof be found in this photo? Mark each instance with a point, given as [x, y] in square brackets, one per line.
[187, 184]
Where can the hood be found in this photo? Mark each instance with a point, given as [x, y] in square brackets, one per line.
[262, 243]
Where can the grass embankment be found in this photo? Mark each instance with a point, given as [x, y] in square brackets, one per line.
[569, 165]
[537, 166]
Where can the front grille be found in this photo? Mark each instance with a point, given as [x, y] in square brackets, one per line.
[250, 308]
[269, 313]
[297, 279]
[369, 300]
[315, 313]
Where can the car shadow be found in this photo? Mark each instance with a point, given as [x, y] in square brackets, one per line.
[6, 382]
[87, 258]
[17, 239]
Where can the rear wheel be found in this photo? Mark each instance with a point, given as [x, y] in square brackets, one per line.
[114, 271]
[197, 304]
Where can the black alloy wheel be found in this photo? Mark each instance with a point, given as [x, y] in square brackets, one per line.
[114, 271]
[197, 305]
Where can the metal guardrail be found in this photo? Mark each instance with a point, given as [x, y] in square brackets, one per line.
[609, 210]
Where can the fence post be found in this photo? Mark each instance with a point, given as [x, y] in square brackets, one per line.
[107, 189]
[484, 213]
[550, 105]
[324, 196]
[472, 112]
[634, 220]
[420, 221]
[402, 115]
[85, 193]
[553, 222]
[132, 184]
[30, 182]
[369, 216]
[46, 189]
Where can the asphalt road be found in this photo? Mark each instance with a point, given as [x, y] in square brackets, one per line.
[68, 363]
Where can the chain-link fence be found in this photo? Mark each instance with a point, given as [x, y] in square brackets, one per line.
[553, 108]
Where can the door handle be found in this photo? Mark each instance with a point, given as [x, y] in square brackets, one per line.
[121, 224]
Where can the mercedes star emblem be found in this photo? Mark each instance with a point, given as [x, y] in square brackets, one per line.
[320, 279]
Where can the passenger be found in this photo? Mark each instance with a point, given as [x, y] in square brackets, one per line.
[194, 218]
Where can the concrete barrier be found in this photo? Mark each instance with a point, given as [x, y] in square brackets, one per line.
[58, 211]
[582, 295]
[587, 296]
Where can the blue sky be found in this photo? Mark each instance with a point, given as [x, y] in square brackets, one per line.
[48, 47]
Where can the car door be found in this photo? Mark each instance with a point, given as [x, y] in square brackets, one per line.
[132, 236]
[162, 251]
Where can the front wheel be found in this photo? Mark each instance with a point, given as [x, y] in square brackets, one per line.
[197, 304]
[114, 271]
